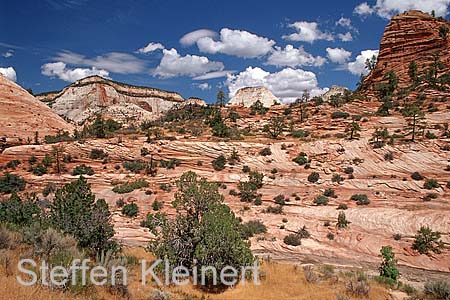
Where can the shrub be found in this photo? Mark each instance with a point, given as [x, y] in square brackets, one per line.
[76, 212]
[358, 286]
[120, 203]
[337, 178]
[340, 115]
[128, 187]
[157, 205]
[49, 189]
[427, 240]
[300, 133]
[388, 267]
[342, 206]
[134, 166]
[430, 196]
[6, 238]
[438, 289]
[431, 184]
[201, 216]
[130, 210]
[448, 185]
[246, 169]
[292, 240]
[342, 220]
[361, 199]
[219, 163]
[310, 275]
[165, 187]
[274, 209]
[11, 183]
[280, 200]
[82, 170]
[265, 152]
[313, 177]
[39, 170]
[303, 233]
[330, 236]
[301, 159]
[349, 170]
[321, 200]
[416, 176]
[12, 164]
[98, 154]
[252, 228]
[389, 156]
[330, 193]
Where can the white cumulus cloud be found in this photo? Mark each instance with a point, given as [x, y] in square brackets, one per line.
[307, 32]
[293, 57]
[151, 47]
[345, 22]
[287, 84]
[345, 37]
[363, 9]
[358, 66]
[338, 55]
[191, 38]
[239, 43]
[60, 70]
[173, 64]
[115, 62]
[9, 73]
[387, 8]
[203, 86]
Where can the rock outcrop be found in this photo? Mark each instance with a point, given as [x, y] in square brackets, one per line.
[334, 90]
[411, 36]
[249, 95]
[195, 101]
[22, 115]
[87, 97]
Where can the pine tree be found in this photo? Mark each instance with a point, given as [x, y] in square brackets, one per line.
[415, 118]
[353, 129]
[75, 211]
[221, 99]
[412, 72]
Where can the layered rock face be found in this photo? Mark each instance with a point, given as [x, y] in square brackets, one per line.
[249, 95]
[411, 36]
[22, 115]
[93, 95]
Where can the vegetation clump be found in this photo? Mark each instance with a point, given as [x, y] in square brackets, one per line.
[130, 210]
[82, 170]
[211, 234]
[128, 187]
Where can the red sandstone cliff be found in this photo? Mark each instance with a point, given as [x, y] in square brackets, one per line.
[411, 36]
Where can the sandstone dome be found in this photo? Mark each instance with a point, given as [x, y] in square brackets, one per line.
[249, 95]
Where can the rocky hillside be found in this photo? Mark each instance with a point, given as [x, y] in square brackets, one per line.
[92, 95]
[22, 115]
[249, 95]
[411, 36]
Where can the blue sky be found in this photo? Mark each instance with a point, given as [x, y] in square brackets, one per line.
[288, 46]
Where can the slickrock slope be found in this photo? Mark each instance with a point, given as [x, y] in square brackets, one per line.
[249, 95]
[396, 200]
[92, 95]
[411, 36]
[21, 115]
